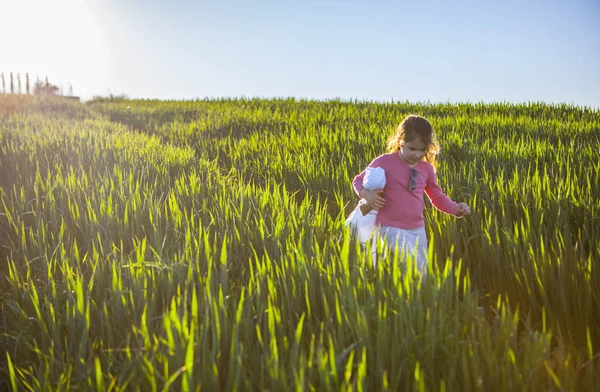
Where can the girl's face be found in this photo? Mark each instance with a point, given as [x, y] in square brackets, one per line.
[412, 152]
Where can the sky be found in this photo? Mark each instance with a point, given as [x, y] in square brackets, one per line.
[425, 51]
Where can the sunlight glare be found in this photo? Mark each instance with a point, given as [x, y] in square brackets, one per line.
[60, 39]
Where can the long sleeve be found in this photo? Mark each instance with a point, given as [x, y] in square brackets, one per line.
[437, 196]
[357, 182]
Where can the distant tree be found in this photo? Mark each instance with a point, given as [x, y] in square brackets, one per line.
[3, 84]
[46, 88]
[12, 84]
[27, 83]
[19, 83]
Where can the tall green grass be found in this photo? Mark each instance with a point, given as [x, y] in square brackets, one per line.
[151, 245]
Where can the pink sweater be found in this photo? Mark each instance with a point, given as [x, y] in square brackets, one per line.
[404, 208]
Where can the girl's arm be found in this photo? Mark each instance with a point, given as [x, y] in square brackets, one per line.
[373, 197]
[437, 196]
[357, 182]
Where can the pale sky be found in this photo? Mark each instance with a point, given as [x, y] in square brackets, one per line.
[437, 51]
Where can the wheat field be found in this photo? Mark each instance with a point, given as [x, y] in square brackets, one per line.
[151, 245]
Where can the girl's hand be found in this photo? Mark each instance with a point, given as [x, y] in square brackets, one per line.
[462, 209]
[374, 198]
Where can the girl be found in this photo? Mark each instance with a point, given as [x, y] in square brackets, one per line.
[409, 165]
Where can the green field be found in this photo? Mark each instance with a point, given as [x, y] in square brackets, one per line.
[200, 245]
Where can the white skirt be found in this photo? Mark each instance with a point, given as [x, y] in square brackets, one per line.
[409, 241]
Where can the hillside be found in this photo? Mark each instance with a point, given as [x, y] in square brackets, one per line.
[151, 244]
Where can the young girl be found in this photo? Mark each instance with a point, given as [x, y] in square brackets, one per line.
[409, 165]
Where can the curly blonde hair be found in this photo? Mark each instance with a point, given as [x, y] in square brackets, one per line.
[411, 128]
